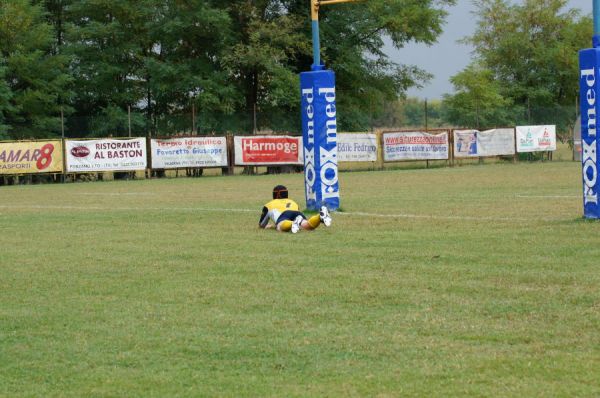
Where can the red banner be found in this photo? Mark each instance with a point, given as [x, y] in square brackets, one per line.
[267, 150]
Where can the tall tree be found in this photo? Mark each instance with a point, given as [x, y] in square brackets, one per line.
[57, 17]
[155, 57]
[105, 40]
[265, 44]
[37, 78]
[353, 45]
[188, 38]
[5, 96]
[478, 101]
[531, 49]
[223, 57]
[272, 45]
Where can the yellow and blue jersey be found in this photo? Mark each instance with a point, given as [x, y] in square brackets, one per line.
[274, 209]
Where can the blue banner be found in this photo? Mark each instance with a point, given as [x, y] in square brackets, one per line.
[589, 66]
[319, 133]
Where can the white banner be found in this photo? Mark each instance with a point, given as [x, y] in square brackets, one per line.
[536, 138]
[415, 145]
[473, 143]
[358, 147]
[496, 142]
[268, 150]
[175, 153]
[105, 155]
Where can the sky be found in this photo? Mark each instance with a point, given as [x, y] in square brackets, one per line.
[447, 57]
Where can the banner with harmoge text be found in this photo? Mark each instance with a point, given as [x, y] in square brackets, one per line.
[267, 150]
[474, 143]
[175, 153]
[536, 138]
[31, 157]
[105, 155]
[356, 147]
[415, 145]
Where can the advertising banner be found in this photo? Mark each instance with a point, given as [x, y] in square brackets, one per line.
[496, 142]
[105, 155]
[257, 150]
[474, 143]
[357, 147]
[31, 157]
[536, 138]
[415, 145]
[589, 65]
[175, 153]
[319, 138]
[465, 143]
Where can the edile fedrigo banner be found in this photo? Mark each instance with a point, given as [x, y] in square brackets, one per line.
[589, 65]
[319, 136]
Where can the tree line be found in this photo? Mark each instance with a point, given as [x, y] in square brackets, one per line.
[148, 64]
[94, 60]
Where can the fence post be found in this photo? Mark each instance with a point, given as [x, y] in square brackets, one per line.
[516, 155]
[230, 169]
[451, 147]
[380, 160]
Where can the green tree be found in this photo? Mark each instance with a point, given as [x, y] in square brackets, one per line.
[478, 101]
[105, 39]
[189, 39]
[353, 42]
[531, 50]
[155, 57]
[271, 45]
[38, 79]
[226, 58]
[261, 58]
[57, 16]
[5, 96]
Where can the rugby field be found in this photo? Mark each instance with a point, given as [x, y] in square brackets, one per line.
[465, 281]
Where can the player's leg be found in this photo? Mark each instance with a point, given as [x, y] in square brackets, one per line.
[312, 222]
[289, 221]
[284, 226]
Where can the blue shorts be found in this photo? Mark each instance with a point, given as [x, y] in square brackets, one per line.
[290, 215]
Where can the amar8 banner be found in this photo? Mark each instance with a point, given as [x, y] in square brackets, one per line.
[589, 63]
[319, 136]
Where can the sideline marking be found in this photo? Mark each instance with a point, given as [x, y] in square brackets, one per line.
[549, 196]
[120, 208]
[225, 210]
[433, 217]
[114, 193]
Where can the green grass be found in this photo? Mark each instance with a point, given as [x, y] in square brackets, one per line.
[465, 281]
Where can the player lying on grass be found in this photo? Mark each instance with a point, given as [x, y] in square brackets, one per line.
[285, 214]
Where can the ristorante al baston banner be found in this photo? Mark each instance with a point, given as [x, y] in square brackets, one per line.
[536, 138]
[106, 155]
[415, 145]
[265, 150]
[175, 153]
[356, 147]
[31, 157]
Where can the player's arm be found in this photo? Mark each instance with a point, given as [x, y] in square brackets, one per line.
[264, 218]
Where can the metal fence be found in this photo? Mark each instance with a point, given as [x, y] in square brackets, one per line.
[391, 115]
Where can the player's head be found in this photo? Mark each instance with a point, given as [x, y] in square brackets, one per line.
[280, 192]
